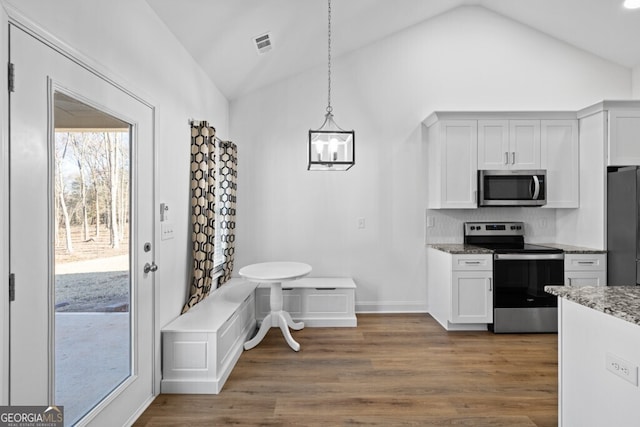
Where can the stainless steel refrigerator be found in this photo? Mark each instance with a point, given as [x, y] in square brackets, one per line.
[623, 229]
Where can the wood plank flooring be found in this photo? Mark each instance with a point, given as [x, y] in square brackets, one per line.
[391, 370]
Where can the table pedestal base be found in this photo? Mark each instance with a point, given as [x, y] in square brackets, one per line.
[277, 318]
[280, 319]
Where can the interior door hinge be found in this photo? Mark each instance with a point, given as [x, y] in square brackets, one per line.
[11, 77]
[12, 287]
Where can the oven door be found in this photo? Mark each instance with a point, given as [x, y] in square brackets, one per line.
[519, 279]
[512, 188]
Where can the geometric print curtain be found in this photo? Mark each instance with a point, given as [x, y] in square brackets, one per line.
[228, 156]
[203, 209]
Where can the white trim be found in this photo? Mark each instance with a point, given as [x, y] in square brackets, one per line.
[4, 210]
[390, 307]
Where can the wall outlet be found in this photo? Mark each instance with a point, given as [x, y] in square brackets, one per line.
[622, 368]
[361, 222]
[430, 221]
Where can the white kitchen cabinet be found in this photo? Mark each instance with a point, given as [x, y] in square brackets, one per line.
[585, 270]
[472, 297]
[460, 288]
[452, 148]
[624, 137]
[508, 144]
[560, 158]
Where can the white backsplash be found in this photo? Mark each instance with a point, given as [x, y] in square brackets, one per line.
[447, 224]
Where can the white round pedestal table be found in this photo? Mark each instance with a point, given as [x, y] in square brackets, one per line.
[275, 273]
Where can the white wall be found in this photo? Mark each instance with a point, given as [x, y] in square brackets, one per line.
[133, 46]
[636, 82]
[466, 59]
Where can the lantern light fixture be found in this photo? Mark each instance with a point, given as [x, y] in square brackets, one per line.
[330, 147]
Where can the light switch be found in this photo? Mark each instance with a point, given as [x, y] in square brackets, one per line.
[166, 231]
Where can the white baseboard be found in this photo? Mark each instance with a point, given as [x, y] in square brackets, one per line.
[391, 307]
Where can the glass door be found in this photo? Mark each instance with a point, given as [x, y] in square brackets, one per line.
[92, 255]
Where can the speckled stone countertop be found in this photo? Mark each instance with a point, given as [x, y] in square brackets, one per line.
[568, 249]
[459, 248]
[622, 302]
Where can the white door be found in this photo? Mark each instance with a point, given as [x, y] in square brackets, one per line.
[48, 86]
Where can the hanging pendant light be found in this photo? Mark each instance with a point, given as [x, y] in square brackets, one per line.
[330, 147]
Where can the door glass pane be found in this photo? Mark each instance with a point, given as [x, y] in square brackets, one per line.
[92, 255]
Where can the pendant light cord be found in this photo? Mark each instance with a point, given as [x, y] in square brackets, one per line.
[329, 107]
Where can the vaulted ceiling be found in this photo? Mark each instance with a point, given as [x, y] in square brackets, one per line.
[219, 33]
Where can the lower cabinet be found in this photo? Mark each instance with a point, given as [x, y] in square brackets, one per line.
[460, 288]
[585, 270]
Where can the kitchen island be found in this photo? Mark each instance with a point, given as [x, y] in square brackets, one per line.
[598, 355]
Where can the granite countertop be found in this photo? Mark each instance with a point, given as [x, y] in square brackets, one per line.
[460, 248]
[569, 249]
[622, 302]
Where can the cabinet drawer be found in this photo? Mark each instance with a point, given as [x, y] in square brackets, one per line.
[584, 262]
[472, 262]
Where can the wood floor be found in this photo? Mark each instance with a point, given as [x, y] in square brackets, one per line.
[391, 370]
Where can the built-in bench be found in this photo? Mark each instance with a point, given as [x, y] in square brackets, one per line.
[316, 301]
[201, 347]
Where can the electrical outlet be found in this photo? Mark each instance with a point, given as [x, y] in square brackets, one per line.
[361, 222]
[430, 221]
[625, 370]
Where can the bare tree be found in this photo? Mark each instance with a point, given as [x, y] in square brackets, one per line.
[112, 158]
[79, 148]
[60, 152]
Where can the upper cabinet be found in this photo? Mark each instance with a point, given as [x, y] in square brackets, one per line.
[560, 158]
[461, 143]
[452, 149]
[624, 137]
[508, 144]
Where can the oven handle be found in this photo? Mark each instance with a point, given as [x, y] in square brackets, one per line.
[527, 257]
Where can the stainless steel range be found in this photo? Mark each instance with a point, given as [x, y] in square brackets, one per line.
[520, 273]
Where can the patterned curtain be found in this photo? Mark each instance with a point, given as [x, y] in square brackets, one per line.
[228, 187]
[203, 183]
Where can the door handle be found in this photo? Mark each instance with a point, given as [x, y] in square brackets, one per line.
[536, 187]
[150, 268]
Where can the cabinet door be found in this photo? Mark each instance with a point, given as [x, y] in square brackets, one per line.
[560, 157]
[585, 278]
[459, 163]
[472, 297]
[624, 137]
[524, 147]
[493, 144]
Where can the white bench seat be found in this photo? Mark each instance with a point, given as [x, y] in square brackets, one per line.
[201, 347]
[316, 301]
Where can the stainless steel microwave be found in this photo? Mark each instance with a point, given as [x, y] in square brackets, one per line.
[512, 187]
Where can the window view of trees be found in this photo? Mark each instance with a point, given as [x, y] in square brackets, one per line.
[91, 192]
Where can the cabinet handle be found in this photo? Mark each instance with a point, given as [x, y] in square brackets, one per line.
[287, 289]
[325, 289]
[490, 285]
[506, 158]
[569, 281]
[513, 157]
[586, 262]
[472, 262]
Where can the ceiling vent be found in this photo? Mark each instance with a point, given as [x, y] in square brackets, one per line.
[263, 43]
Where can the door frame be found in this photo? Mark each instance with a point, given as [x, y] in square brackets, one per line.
[10, 15]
